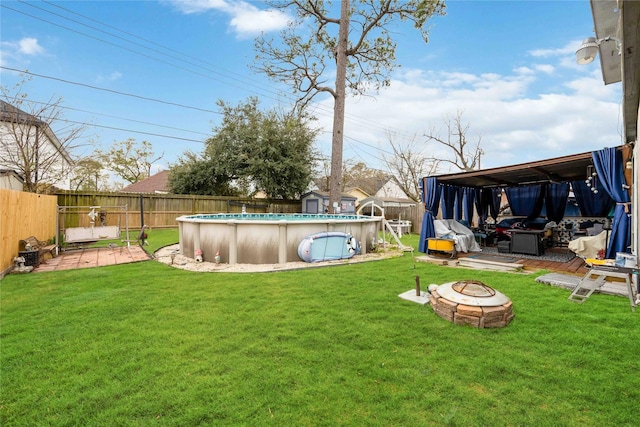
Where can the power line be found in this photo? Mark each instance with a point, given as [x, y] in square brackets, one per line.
[116, 45]
[123, 118]
[353, 119]
[110, 90]
[130, 130]
[135, 36]
[319, 107]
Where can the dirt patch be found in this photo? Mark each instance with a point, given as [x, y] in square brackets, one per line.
[171, 256]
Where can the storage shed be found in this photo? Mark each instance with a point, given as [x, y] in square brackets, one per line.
[317, 202]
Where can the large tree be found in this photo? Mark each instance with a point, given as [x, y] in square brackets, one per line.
[28, 142]
[253, 150]
[88, 175]
[354, 174]
[195, 174]
[356, 45]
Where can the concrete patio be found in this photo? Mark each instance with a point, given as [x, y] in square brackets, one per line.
[94, 257]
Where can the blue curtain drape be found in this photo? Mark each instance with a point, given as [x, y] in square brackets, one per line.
[526, 200]
[459, 203]
[590, 203]
[469, 197]
[495, 198]
[608, 165]
[555, 200]
[481, 206]
[431, 198]
[449, 193]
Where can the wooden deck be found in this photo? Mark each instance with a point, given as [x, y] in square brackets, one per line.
[575, 266]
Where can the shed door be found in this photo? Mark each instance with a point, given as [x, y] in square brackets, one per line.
[312, 206]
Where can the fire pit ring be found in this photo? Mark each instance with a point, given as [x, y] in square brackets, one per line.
[471, 302]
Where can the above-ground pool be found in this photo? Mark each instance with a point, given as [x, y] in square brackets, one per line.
[265, 238]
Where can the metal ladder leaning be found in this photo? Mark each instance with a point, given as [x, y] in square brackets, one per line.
[585, 287]
[596, 277]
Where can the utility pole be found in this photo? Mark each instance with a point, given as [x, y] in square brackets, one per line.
[335, 182]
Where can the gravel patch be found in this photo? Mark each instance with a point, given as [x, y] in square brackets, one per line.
[171, 256]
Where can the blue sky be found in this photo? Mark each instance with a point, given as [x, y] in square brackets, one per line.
[508, 66]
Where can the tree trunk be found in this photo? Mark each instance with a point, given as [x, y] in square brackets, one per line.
[335, 183]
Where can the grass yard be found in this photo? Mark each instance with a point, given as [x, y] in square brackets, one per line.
[145, 344]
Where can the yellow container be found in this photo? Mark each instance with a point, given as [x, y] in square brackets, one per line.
[444, 245]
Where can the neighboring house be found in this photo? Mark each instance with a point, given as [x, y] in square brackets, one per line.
[49, 162]
[391, 190]
[315, 202]
[11, 180]
[358, 193]
[391, 207]
[155, 184]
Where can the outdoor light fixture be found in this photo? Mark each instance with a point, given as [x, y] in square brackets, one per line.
[591, 180]
[589, 49]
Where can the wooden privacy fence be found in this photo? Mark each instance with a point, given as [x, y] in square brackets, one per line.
[23, 215]
[157, 210]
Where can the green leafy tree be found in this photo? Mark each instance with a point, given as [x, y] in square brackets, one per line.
[251, 151]
[88, 175]
[270, 151]
[194, 174]
[129, 159]
[361, 53]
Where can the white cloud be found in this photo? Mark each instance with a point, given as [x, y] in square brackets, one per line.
[30, 46]
[199, 6]
[545, 68]
[19, 51]
[514, 126]
[115, 75]
[246, 20]
[567, 49]
[252, 21]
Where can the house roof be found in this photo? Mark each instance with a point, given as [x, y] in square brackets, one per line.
[325, 194]
[11, 114]
[11, 173]
[389, 202]
[558, 169]
[158, 183]
[621, 20]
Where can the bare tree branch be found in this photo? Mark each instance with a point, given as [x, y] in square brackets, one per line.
[409, 165]
[466, 154]
[28, 143]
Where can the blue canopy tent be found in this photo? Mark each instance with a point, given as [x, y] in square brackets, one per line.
[529, 187]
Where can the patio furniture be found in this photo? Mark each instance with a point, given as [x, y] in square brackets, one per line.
[35, 251]
[504, 247]
[462, 236]
[527, 242]
[441, 245]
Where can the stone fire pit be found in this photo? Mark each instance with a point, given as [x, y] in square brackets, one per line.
[471, 302]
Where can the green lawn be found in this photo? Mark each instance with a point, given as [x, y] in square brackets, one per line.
[145, 344]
